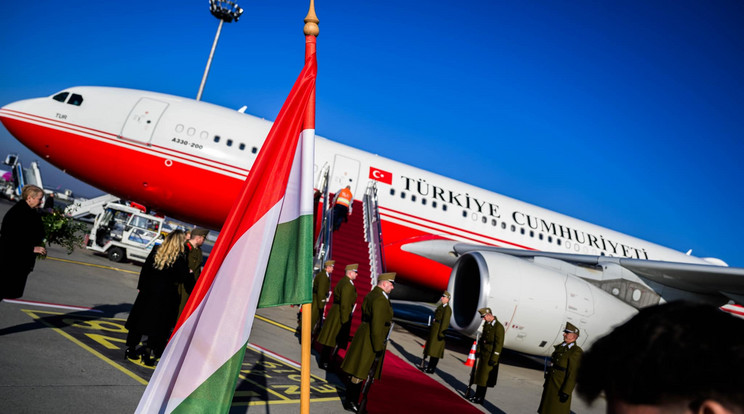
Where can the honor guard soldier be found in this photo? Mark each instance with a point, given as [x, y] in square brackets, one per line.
[560, 377]
[321, 288]
[434, 348]
[370, 339]
[195, 258]
[335, 331]
[489, 349]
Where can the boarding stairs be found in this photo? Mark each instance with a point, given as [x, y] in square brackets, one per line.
[356, 241]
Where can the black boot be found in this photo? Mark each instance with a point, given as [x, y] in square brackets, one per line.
[432, 365]
[325, 356]
[131, 353]
[480, 395]
[147, 357]
[352, 397]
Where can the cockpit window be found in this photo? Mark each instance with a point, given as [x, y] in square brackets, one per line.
[61, 97]
[75, 99]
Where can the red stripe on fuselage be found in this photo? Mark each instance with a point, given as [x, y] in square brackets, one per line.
[439, 229]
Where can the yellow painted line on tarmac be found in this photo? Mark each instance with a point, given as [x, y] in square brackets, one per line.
[275, 323]
[275, 402]
[92, 265]
[86, 347]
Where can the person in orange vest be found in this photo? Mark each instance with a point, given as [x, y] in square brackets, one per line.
[342, 206]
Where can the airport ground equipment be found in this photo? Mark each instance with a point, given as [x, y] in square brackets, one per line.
[122, 231]
[87, 210]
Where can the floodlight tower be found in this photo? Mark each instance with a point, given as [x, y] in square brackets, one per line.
[227, 11]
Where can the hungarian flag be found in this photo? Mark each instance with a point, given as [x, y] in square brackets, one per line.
[263, 256]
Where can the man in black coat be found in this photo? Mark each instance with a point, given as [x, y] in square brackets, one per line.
[21, 240]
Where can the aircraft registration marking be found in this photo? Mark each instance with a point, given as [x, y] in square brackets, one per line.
[265, 378]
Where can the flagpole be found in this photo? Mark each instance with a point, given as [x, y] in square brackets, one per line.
[311, 31]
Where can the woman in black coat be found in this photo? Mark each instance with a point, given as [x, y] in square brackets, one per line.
[155, 311]
[21, 239]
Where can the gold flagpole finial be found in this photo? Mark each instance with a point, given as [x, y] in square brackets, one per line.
[311, 21]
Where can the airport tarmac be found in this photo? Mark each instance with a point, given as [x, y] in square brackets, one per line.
[57, 359]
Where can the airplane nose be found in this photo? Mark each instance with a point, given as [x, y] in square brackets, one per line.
[14, 109]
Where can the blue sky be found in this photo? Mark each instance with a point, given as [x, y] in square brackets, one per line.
[626, 114]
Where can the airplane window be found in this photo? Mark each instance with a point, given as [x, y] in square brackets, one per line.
[550, 239]
[402, 194]
[540, 236]
[513, 228]
[444, 207]
[392, 191]
[229, 143]
[61, 96]
[179, 128]
[521, 231]
[75, 99]
[241, 146]
[464, 213]
[484, 219]
[216, 138]
[423, 201]
[434, 204]
[254, 150]
[532, 233]
[191, 131]
[413, 198]
[558, 241]
[204, 135]
[503, 225]
[493, 222]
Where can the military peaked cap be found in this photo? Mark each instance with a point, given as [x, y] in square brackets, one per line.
[199, 231]
[446, 295]
[484, 311]
[387, 276]
[353, 267]
[329, 263]
[570, 328]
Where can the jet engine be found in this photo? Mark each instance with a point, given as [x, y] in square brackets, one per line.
[533, 302]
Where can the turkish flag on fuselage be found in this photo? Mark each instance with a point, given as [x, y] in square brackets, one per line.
[380, 175]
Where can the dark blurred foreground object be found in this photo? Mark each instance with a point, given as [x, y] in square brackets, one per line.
[677, 357]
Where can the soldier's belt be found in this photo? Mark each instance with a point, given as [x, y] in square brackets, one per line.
[559, 368]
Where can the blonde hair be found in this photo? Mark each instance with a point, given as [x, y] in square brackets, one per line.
[170, 249]
[30, 189]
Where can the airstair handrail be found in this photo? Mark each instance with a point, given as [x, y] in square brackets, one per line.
[324, 242]
[373, 231]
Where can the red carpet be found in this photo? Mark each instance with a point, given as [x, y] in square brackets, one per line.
[402, 388]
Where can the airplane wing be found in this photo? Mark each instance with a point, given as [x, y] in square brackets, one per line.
[709, 280]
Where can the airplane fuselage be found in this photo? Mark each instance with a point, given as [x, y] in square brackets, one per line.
[188, 159]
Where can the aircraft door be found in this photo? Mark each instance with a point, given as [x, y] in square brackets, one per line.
[345, 172]
[141, 122]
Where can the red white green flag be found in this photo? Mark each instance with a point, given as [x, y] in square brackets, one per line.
[263, 257]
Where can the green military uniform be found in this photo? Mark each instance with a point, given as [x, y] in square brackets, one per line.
[369, 340]
[195, 258]
[560, 378]
[344, 296]
[435, 343]
[377, 314]
[489, 349]
[321, 287]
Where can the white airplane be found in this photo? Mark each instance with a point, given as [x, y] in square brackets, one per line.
[535, 268]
